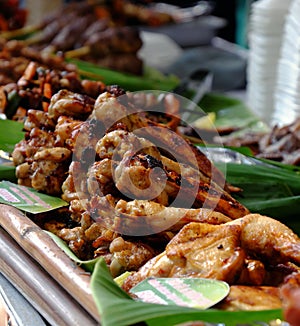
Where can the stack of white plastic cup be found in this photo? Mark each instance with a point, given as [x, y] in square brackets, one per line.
[265, 35]
[287, 91]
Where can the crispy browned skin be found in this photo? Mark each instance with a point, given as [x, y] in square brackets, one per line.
[197, 172]
[210, 251]
[146, 215]
[242, 297]
[225, 251]
[269, 239]
[198, 250]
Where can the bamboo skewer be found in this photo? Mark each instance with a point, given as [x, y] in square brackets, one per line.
[39, 288]
[84, 50]
[20, 32]
[43, 249]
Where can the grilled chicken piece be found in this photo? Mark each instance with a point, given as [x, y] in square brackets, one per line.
[198, 250]
[64, 130]
[222, 252]
[128, 255]
[138, 214]
[56, 154]
[159, 266]
[204, 250]
[145, 176]
[253, 273]
[27, 148]
[38, 119]
[268, 239]
[148, 181]
[71, 104]
[242, 297]
[110, 110]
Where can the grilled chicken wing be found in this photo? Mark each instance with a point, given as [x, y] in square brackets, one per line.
[154, 216]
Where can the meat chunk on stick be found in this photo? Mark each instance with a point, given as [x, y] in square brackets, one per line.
[109, 110]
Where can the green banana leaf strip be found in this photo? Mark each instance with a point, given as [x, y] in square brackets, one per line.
[151, 80]
[232, 112]
[10, 134]
[274, 192]
[8, 172]
[117, 308]
[260, 174]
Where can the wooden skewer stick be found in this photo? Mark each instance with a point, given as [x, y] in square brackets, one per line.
[84, 50]
[20, 32]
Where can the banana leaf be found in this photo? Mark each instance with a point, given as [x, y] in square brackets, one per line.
[151, 80]
[117, 308]
[231, 112]
[88, 265]
[7, 172]
[10, 134]
[268, 189]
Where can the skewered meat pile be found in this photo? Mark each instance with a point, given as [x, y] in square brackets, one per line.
[43, 159]
[15, 57]
[97, 33]
[34, 88]
[117, 158]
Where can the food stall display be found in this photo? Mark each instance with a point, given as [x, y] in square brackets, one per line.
[114, 194]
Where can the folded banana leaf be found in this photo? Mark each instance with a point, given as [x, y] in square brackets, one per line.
[117, 308]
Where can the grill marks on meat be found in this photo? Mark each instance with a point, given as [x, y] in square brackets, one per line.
[150, 236]
[108, 151]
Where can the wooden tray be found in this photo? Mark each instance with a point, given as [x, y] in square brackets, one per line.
[48, 277]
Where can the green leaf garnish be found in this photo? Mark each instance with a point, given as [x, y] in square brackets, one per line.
[150, 81]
